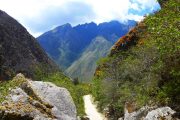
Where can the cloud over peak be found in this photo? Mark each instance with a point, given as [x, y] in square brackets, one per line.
[42, 15]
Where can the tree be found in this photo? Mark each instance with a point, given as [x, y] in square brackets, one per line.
[76, 81]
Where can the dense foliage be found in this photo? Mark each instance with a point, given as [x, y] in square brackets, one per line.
[147, 73]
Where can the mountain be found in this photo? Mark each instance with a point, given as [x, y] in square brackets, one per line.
[86, 64]
[141, 73]
[20, 52]
[66, 44]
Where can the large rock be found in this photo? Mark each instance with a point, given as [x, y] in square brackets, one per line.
[150, 113]
[37, 100]
[163, 113]
[136, 115]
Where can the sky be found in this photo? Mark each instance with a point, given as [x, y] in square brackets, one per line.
[39, 16]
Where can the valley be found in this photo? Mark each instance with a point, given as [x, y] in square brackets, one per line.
[115, 70]
[77, 49]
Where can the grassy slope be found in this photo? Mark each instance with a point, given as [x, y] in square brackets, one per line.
[146, 73]
[85, 66]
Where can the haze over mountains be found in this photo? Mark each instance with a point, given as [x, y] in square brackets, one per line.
[76, 49]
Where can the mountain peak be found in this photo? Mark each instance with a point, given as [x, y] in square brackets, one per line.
[91, 24]
[2, 12]
[66, 25]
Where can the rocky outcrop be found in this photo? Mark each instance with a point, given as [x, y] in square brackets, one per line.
[37, 100]
[150, 113]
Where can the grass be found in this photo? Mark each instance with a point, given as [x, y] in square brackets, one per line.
[7, 85]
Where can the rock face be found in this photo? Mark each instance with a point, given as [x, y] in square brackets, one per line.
[20, 52]
[150, 113]
[36, 100]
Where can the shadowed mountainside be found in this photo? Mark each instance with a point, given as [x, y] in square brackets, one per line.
[20, 52]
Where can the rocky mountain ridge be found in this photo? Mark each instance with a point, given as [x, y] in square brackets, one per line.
[20, 52]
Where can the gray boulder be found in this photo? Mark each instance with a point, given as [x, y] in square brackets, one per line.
[163, 113]
[37, 100]
[137, 115]
[150, 113]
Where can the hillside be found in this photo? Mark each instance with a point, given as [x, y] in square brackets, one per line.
[84, 67]
[67, 45]
[20, 52]
[143, 66]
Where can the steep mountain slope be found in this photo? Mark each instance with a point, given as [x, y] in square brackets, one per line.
[65, 44]
[20, 52]
[143, 66]
[84, 67]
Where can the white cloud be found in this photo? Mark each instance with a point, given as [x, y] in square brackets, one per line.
[103, 10]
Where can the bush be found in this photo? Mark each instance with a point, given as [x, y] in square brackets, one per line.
[146, 73]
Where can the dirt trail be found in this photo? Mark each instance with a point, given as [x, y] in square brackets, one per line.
[91, 110]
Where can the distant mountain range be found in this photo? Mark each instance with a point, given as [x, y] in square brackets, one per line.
[20, 52]
[76, 49]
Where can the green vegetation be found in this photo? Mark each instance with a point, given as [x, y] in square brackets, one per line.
[6, 86]
[147, 73]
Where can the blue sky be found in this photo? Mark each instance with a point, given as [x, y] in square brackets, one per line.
[39, 16]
